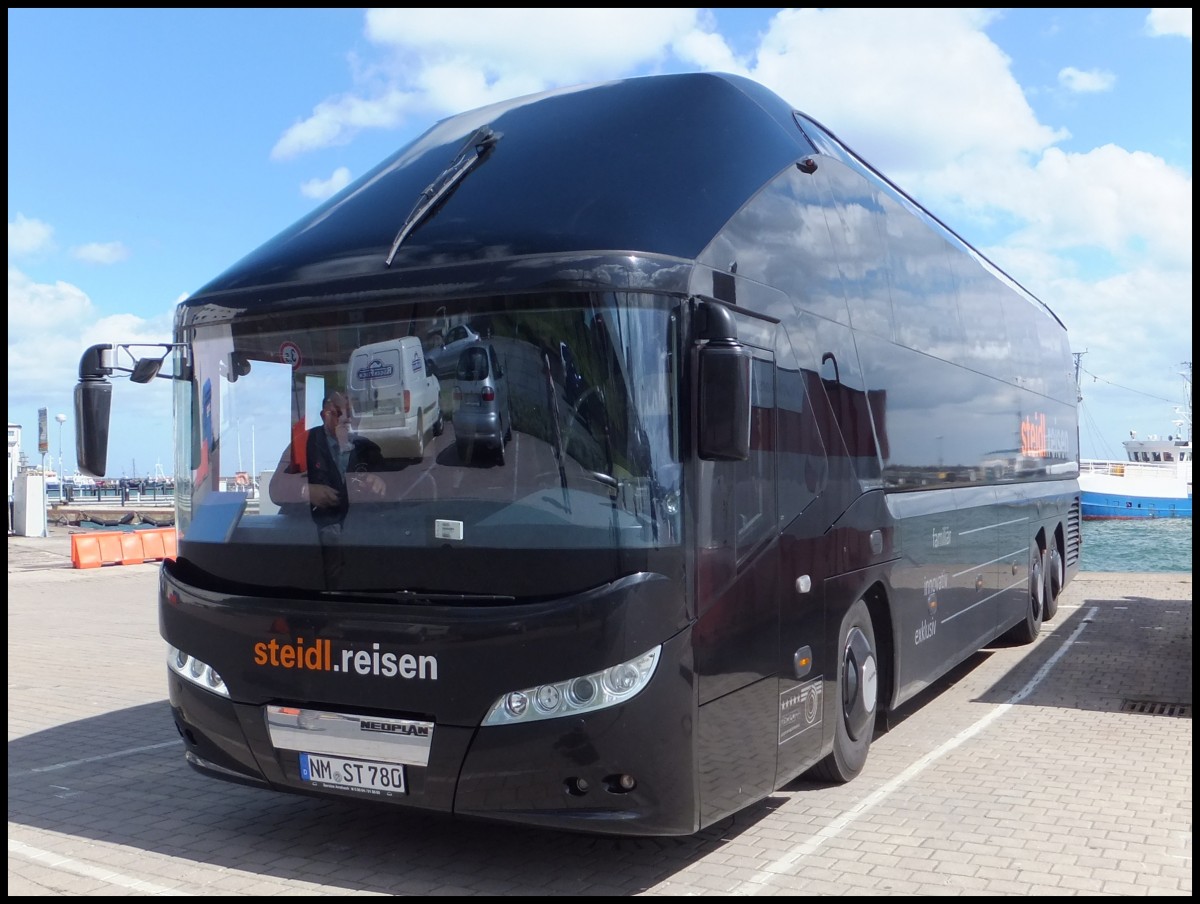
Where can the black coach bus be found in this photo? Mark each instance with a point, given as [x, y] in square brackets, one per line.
[750, 449]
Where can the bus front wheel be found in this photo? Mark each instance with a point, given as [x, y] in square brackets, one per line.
[858, 698]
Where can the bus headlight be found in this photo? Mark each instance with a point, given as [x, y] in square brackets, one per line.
[585, 693]
[198, 673]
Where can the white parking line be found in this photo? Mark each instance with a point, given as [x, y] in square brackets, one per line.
[103, 756]
[58, 862]
[784, 865]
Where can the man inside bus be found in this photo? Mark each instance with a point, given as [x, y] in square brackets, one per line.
[337, 467]
[339, 463]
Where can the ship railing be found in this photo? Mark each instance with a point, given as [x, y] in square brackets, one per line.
[1136, 468]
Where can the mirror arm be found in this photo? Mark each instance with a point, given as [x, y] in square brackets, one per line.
[101, 361]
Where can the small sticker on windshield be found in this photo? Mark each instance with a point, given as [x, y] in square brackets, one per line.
[447, 530]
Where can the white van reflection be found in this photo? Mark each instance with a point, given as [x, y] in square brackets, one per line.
[394, 396]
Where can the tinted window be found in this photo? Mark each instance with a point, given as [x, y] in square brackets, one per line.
[473, 364]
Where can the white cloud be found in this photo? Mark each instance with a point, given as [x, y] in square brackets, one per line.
[451, 60]
[574, 44]
[101, 253]
[335, 122]
[945, 117]
[1166, 21]
[941, 90]
[708, 51]
[36, 309]
[326, 188]
[1086, 82]
[45, 323]
[49, 325]
[28, 236]
[1116, 207]
[1129, 203]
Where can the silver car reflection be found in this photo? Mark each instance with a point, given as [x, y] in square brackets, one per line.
[482, 419]
[445, 348]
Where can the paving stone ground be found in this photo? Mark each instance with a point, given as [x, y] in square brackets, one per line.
[1059, 768]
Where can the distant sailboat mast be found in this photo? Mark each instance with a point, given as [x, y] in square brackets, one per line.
[1185, 412]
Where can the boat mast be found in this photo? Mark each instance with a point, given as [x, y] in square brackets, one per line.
[1185, 421]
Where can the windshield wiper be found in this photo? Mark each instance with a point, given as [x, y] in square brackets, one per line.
[556, 429]
[474, 152]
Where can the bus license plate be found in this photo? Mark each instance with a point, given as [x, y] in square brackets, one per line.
[359, 775]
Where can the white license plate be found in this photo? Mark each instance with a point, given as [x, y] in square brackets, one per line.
[358, 775]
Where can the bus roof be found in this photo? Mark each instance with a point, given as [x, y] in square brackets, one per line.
[653, 165]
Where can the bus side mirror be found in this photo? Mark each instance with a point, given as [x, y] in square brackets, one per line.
[93, 405]
[145, 370]
[722, 389]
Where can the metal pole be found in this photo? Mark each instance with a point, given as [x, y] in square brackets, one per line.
[61, 418]
[45, 501]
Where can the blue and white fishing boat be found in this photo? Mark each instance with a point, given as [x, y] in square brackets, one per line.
[1154, 480]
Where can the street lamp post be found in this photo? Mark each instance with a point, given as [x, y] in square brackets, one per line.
[61, 418]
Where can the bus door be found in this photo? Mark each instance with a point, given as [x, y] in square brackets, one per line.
[806, 555]
[736, 636]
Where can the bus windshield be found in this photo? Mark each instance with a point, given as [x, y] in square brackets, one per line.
[335, 447]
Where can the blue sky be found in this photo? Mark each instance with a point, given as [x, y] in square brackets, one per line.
[148, 150]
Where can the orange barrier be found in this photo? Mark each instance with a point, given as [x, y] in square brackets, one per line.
[111, 549]
[131, 548]
[85, 551]
[153, 546]
[96, 548]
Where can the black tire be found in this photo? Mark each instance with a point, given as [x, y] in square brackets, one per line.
[419, 452]
[439, 426]
[1055, 578]
[1035, 604]
[857, 698]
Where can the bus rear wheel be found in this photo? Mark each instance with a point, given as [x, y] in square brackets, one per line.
[858, 698]
[1035, 605]
[1055, 578]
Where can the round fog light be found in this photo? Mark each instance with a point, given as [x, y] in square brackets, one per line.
[547, 698]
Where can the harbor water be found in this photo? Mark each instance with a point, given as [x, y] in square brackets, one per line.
[1163, 544]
